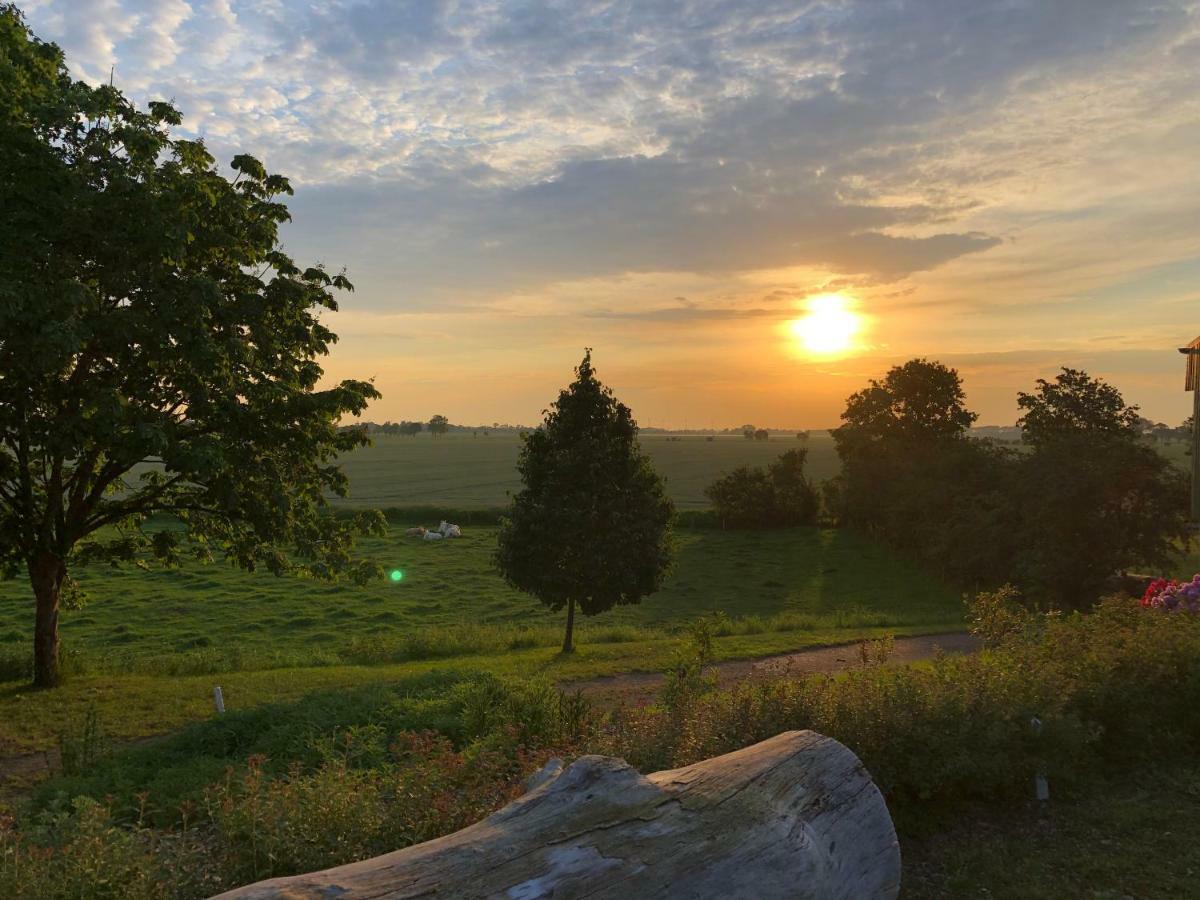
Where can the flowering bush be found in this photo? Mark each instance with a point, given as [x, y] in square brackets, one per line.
[1172, 595]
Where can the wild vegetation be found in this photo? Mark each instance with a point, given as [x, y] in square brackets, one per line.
[366, 771]
[270, 637]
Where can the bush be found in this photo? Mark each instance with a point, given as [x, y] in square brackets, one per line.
[689, 675]
[777, 497]
[1000, 615]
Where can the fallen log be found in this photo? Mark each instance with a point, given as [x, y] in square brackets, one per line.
[794, 816]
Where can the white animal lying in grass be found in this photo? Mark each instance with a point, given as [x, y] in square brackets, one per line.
[433, 536]
[448, 530]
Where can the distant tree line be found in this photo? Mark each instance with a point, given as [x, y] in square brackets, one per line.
[408, 429]
[437, 425]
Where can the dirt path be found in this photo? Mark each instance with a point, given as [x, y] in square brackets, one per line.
[638, 687]
[20, 773]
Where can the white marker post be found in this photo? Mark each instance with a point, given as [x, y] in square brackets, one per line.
[218, 700]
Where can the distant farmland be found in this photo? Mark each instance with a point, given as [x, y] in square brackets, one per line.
[464, 471]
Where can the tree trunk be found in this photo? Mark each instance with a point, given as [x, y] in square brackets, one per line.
[46, 575]
[569, 640]
[795, 816]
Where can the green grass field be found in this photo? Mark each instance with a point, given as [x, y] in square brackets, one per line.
[831, 577]
[459, 470]
[271, 638]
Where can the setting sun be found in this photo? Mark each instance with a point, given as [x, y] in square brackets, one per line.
[829, 327]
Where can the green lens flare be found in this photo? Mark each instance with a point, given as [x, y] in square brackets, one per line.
[396, 575]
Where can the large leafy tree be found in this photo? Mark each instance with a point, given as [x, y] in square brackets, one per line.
[913, 477]
[591, 527]
[918, 401]
[1095, 498]
[1075, 404]
[158, 351]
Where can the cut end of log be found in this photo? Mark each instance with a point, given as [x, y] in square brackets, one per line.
[793, 816]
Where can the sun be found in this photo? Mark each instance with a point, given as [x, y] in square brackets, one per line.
[830, 326]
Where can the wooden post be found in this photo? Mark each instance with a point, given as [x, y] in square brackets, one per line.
[1195, 456]
[1192, 383]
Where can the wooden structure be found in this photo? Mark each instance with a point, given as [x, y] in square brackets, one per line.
[1192, 383]
[794, 816]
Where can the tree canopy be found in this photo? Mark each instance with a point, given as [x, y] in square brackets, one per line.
[1095, 497]
[1086, 499]
[1075, 403]
[917, 401]
[158, 350]
[591, 526]
[913, 477]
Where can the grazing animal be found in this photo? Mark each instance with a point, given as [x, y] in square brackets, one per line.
[449, 530]
[415, 532]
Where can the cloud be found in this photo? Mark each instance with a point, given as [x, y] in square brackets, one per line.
[1013, 165]
[689, 313]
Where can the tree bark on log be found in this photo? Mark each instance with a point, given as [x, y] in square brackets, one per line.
[794, 816]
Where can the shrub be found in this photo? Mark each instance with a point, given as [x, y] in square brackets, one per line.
[776, 497]
[266, 826]
[78, 851]
[689, 675]
[999, 615]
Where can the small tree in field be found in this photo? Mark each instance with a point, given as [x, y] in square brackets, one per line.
[438, 425]
[158, 351]
[591, 527]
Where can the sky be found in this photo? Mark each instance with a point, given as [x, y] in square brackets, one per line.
[1008, 186]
